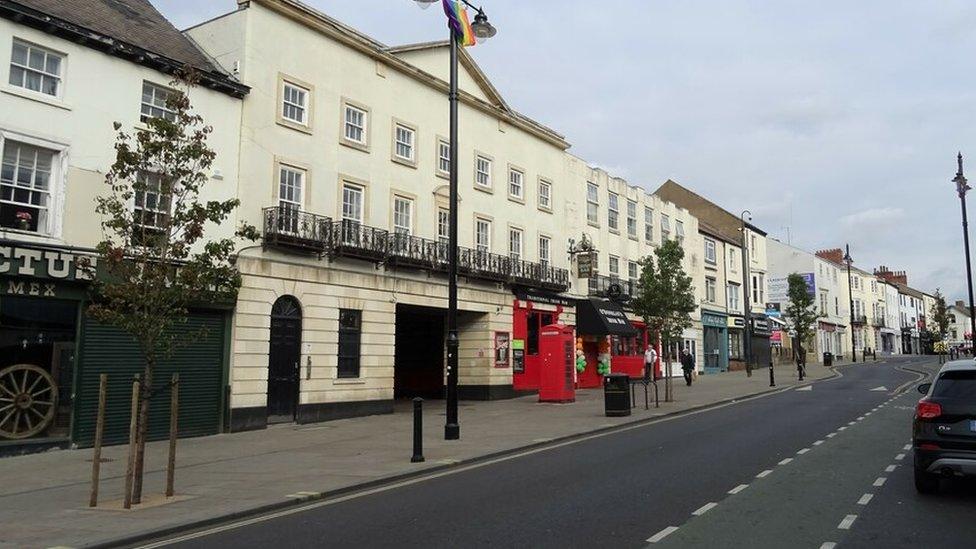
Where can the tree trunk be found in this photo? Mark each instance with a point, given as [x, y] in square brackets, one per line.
[143, 429]
[668, 389]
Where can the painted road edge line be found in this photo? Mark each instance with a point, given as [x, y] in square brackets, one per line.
[662, 534]
[704, 509]
[847, 522]
[738, 488]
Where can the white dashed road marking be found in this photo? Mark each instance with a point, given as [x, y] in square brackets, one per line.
[662, 534]
[907, 447]
[704, 509]
[847, 522]
[785, 461]
[900, 457]
[818, 443]
[828, 545]
[865, 499]
[831, 435]
[764, 474]
[880, 481]
[890, 469]
[738, 488]
[803, 451]
[844, 428]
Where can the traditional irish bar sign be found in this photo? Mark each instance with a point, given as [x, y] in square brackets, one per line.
[586, 264]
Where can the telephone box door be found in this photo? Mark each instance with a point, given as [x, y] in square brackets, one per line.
[557, 348]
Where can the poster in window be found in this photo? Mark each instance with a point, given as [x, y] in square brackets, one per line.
[502, 345]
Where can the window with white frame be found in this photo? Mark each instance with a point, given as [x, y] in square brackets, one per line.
[291, 188]
[632, 219]
[352, 202]
[762, 289]
[755, 289]
[482, 235]
[752, 246]
[27, 179]
[545, 246]
[545, 194]
[155, 100]
[403, 137]
[402, 215]
[613, 211]
[665, 227]
[648, 224]
[823, 303]
[732, 260]
[443, 225]
[710, 289]
[633, 272]
[592, 203]
[35, 68]
[355, 124]
[515, 183]
[482, 171]
[614, 266]
[679, 231]
[294, 103]
[443, 156]
[732, 290]
[515, 243]
[151, 208]
[710, 251]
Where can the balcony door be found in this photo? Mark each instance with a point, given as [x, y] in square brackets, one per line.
[291, 190]
[284, 359]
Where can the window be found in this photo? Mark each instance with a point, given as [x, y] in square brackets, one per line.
[154, 102]
[545, 194]
[665, 227]
[482, 235]
[735, 344]
[36, 69]
[836, 305]
[614, 211]
[752, 246]
[856, 283]
[350, 333]
[732, 266]
[515, 189]
[733, 296]
[443, 157]
[151, 208]
[515, 243]
[294, 103]
[710, 289]
[443, 226]
[823, 303]
[355, 125]
[614, 266]
[592, 203]
[482, 171]
[403, 137]
[648, 224]
[26, 180]
[709, 251]
[402, 215]
[679, 232]
[632, 219]
[762, 289]
[633, 272]
[544, 250]
[352, 203]
[291, 185]
[755, 289]
[534, 323]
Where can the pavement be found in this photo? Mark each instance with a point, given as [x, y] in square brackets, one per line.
[790, 469]
[43, 500]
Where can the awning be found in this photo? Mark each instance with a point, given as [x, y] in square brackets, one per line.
[602, 317]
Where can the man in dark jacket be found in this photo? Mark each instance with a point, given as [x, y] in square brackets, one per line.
[687, 365]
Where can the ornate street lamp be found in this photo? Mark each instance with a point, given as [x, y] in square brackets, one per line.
[962, 186]
[747, 297]
[850, 294]
[482, 31]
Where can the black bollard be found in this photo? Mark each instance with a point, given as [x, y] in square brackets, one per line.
[772, 377]
[418, 431]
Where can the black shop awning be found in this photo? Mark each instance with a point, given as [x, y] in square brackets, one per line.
[602, 317]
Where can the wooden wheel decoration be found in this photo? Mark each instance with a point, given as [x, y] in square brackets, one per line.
[28, 401]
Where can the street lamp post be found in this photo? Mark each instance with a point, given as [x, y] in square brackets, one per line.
[747, 298]
[850, 294]
[961, 187]
[483, 30]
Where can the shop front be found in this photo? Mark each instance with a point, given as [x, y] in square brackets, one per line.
[531, 311]
[760, 349]
[598, 322]
[715, 342]
[736, 325]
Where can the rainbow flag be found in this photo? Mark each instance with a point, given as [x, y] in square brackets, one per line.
[457, 20]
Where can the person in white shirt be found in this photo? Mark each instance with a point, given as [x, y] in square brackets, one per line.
[650, 357]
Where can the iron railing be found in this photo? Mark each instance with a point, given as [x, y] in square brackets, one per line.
[879, 322]
[859, 320]
[608, 286]
[353, 239]
[293, 228]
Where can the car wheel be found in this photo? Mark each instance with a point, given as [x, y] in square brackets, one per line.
[926, 483]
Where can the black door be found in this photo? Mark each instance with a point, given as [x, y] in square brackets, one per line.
[283, 363]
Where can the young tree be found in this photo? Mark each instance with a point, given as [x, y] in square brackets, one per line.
[940, 318]
[156, 258]
[665, 300]
[801, 310]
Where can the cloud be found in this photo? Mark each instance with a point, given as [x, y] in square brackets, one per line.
[874, 217]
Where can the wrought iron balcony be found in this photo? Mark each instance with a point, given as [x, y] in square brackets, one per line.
[484, 265]
[414, 251]
[878, 322]
[353, 239]
[292, 228]
[607, 286]
[859, 320]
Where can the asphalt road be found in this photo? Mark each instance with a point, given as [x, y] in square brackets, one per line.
[786, 470]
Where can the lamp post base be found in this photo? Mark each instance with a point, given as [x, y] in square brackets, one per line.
[452, 431]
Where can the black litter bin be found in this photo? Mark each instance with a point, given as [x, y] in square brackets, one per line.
[616, 395]
[828, 359]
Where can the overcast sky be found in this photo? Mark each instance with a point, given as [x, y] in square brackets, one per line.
[832, 121]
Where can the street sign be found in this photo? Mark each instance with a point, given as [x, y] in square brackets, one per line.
[585, 264]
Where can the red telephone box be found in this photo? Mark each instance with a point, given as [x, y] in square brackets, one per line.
[557, 348]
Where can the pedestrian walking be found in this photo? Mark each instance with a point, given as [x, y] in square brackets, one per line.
[687, 365]
[650, 358]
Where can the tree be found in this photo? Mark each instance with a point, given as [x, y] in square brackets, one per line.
[801, 310]
[665, 300]
[156, 259]
[940, 317]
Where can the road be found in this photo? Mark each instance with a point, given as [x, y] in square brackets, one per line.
[800, 468]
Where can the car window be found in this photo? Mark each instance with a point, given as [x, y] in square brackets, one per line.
[958, 384]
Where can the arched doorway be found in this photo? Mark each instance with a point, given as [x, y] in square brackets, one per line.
[283, 359]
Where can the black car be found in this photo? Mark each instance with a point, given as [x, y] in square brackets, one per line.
[944, 433]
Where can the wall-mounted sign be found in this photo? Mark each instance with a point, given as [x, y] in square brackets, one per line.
[709, 319]
[537, 296]
[46, 264]
[736, 322]
[760, 326]
[502, 340]
[586, 263]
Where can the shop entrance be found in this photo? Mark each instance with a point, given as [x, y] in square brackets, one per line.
[283, 359]
[418, 362]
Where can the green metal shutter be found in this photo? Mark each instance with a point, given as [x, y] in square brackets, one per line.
[106, 349]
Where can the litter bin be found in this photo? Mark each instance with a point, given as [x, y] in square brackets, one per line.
[616, 395]
[828, 359]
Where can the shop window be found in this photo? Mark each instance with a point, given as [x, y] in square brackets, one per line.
[534, 324]
[627, 346]
[735, 345]
[350, 333]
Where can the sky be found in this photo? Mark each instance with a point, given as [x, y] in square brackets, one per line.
[833, 122]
